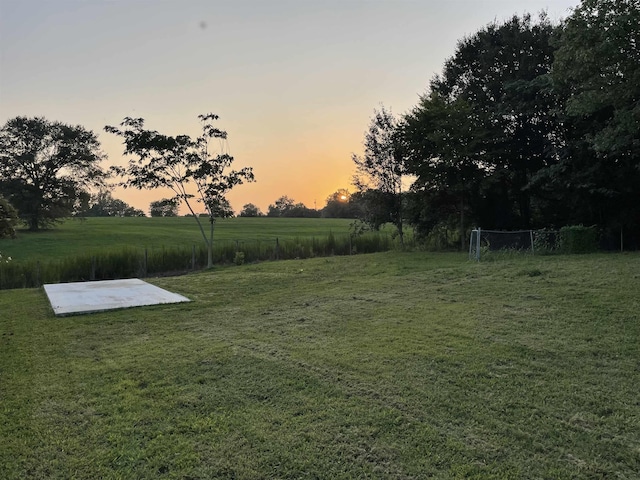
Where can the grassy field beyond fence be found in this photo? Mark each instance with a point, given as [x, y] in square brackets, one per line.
[108, 248]
[391, 365]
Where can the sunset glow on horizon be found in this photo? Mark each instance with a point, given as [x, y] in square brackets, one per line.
[294, 82]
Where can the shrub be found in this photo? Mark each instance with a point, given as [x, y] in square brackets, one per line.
[8, 219]
[546, 241]
[578, 239]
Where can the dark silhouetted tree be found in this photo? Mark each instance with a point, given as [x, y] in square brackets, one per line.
[250, 210]
[501, 74]
[338, 205]
[597, 70]
[183, 165]
[102, 204]
[167, 207]
[281, 207]
[382, 168]
[46, 167]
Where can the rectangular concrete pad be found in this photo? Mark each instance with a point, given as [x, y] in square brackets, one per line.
[88, 297]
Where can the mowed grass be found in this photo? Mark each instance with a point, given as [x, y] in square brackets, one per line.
[391, 365]
[94, 234]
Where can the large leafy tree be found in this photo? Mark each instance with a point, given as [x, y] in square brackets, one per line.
[46, 168]
[281, 207]
[102, 204]
[287, 207]
[597, 70]
[381, 168]
[338, 205]
[483, 130]
[250, 210]
[443, 150]
[183, 165]
[166, 207]
[501, 73]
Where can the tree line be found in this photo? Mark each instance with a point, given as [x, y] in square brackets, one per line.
[530, 124]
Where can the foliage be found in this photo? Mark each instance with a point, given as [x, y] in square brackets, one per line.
[380, 172]
[281, 207]
[239, 258]
[442, 152]
[102, 204]
[597, 71]
[129, 261]
[532, 125]
[598, 62]
[46, 168]
[546, 241]
[578, 239]
[485, 127]
[167, 207]
[8, 219]
[287, 207]
[179, 163]
[250, 210]
[114, 247]
[373, 207]
[338, 205]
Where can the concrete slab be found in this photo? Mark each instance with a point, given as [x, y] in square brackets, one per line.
[89, 297]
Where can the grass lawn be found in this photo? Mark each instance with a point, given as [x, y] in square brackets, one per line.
[95, 234]
[391, 365]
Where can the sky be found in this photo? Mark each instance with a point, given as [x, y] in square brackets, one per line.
[295, 82]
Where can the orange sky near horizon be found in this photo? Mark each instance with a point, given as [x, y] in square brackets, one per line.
[294, 82]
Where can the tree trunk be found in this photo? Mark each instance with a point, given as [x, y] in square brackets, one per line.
[210, 244]
[462, 239]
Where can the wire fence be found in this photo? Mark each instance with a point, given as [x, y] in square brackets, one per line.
[132, 262]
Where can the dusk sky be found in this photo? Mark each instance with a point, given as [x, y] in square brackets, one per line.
[294, 82]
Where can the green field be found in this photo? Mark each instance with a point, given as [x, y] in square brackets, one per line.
[99, 233]
[110, 248]
[391, 365]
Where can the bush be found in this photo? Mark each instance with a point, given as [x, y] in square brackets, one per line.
[8, 219]
[578, 239]
[546, 241]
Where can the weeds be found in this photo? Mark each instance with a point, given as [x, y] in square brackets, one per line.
[128, 262]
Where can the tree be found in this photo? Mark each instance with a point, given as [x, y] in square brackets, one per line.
[373, 207]
[167, 207]
[281, 207]
[102, 204]
[501, 73]
[483, 131]
[287, 207]
[382, 167]
[442, 150]
[181, 163]
[338, 205]
[45, 167]
[8, 219]
[597, 70]
[250, 210]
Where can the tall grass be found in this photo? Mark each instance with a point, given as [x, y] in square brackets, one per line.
[128, 262]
